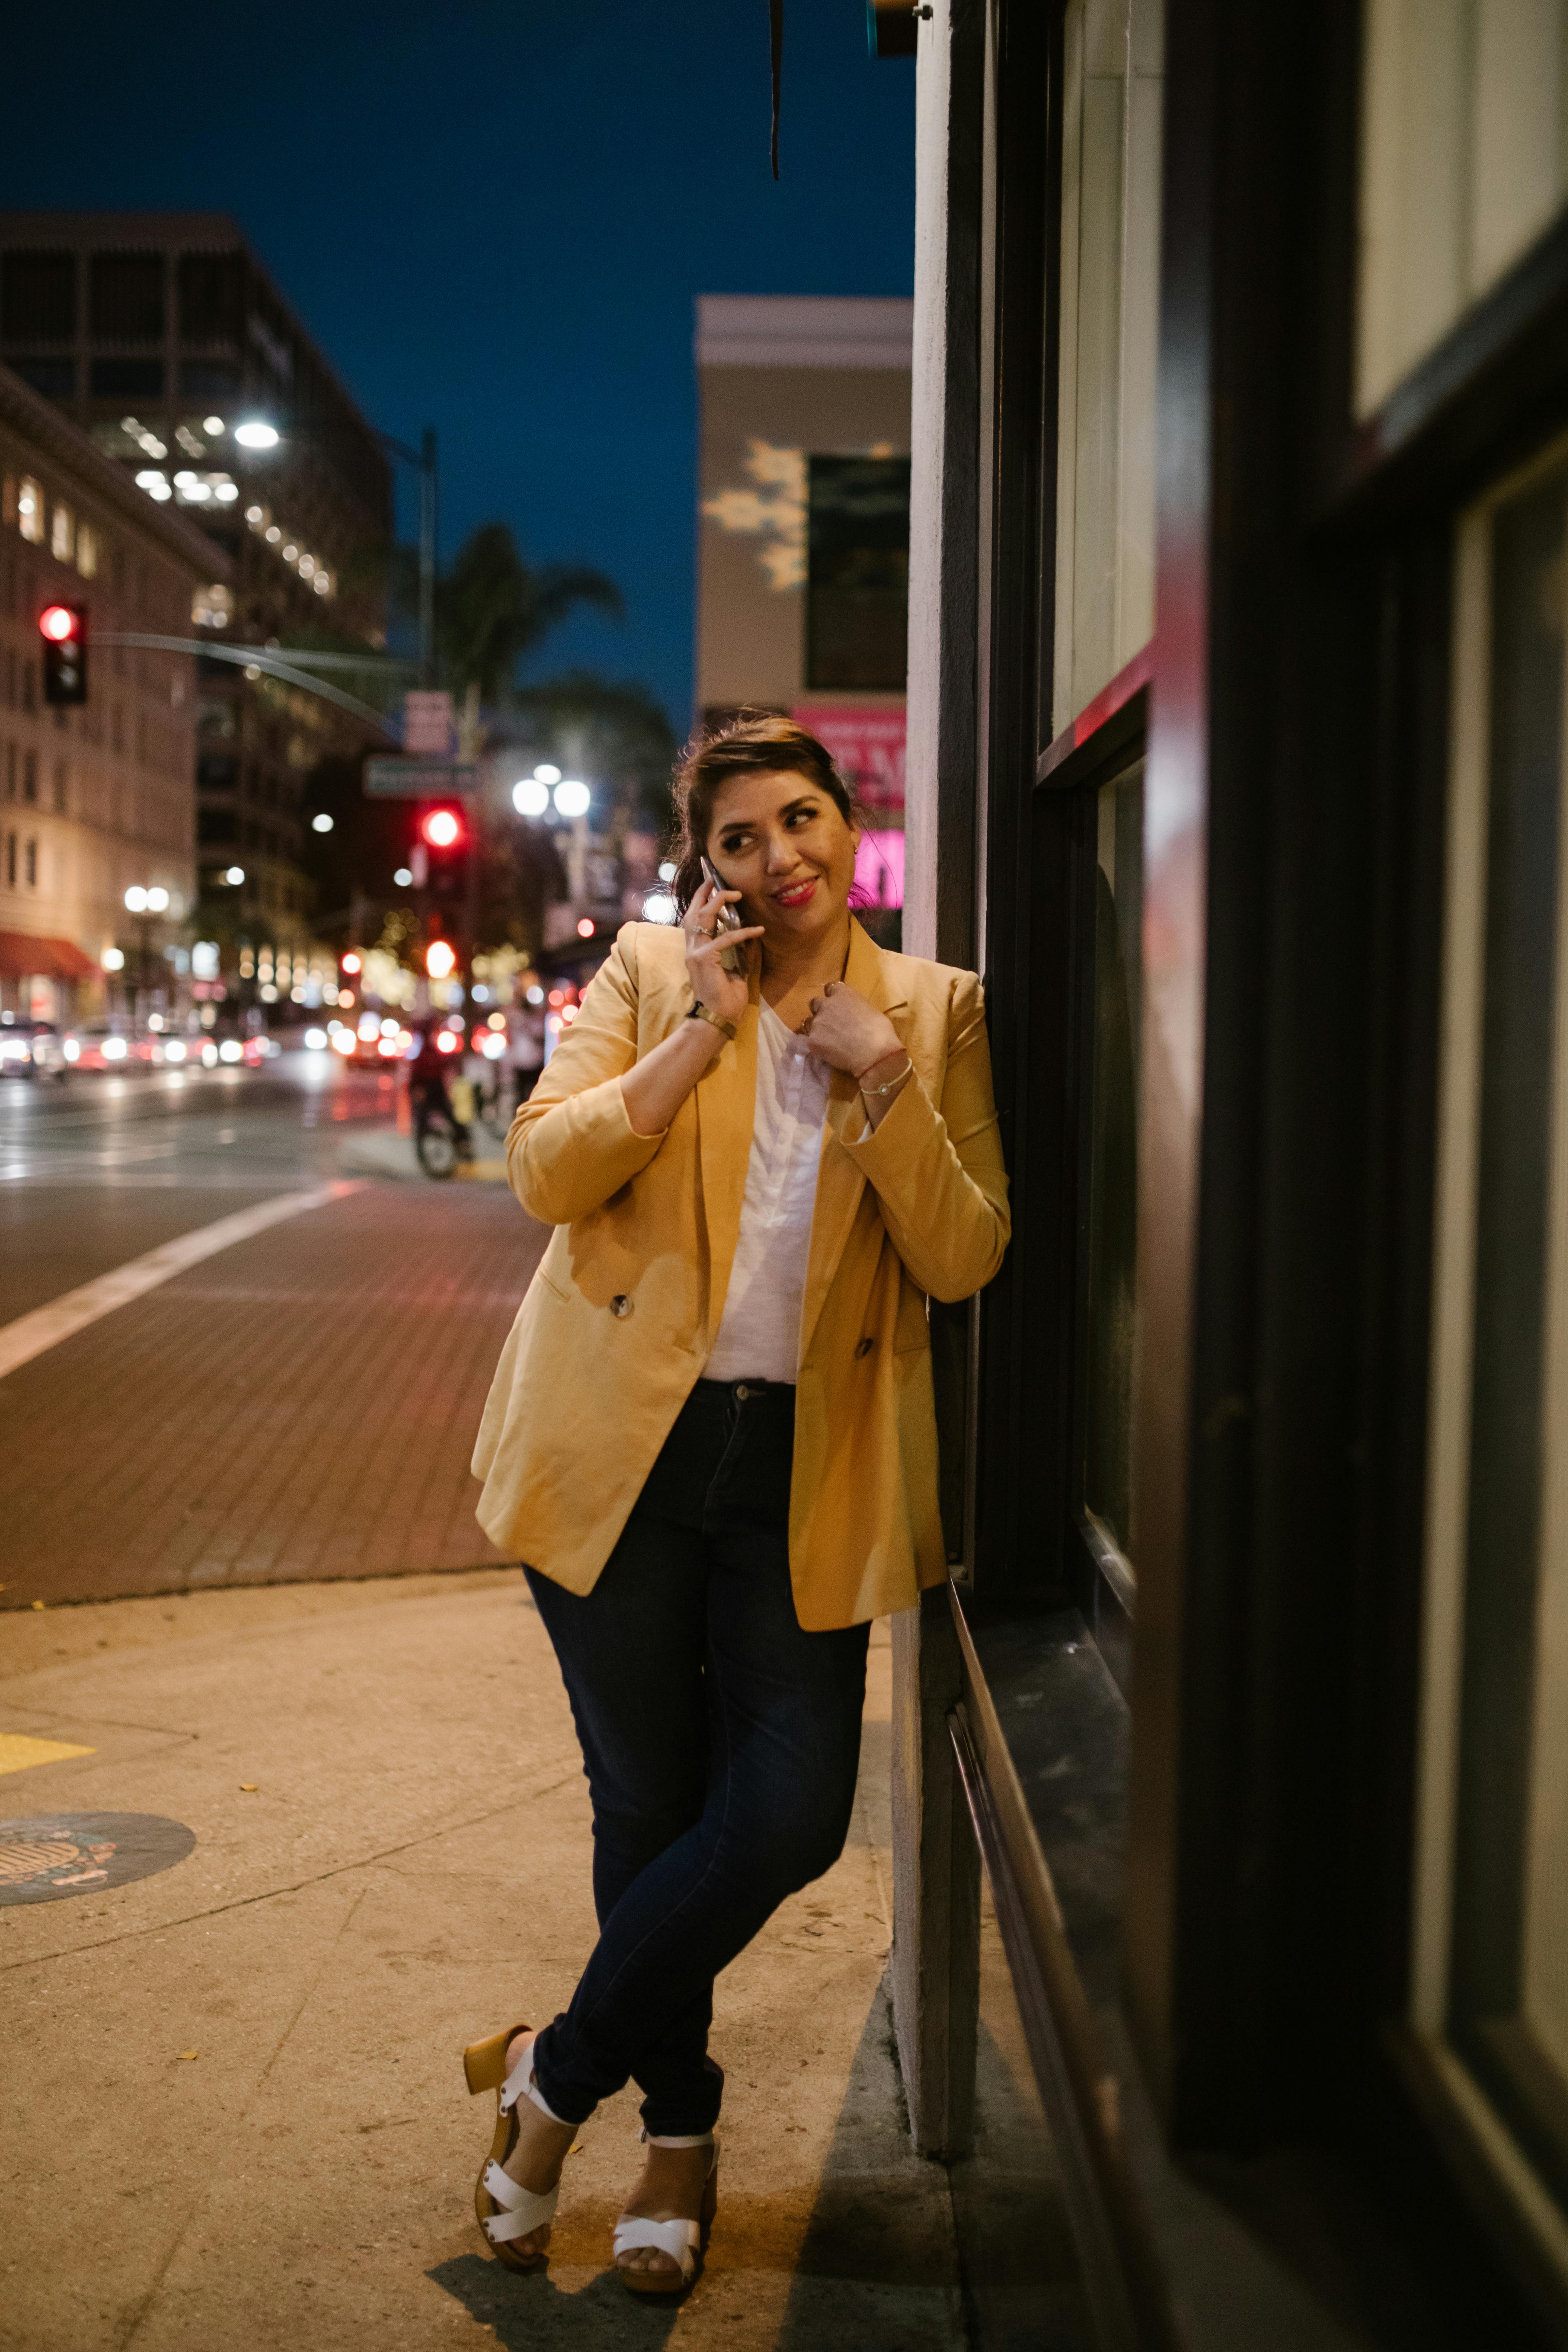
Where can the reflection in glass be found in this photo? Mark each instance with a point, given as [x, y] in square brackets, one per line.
[1500, 1997]
[1113, 1163]
[1020, 2269]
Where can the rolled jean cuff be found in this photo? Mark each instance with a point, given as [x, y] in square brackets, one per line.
[569, 2100]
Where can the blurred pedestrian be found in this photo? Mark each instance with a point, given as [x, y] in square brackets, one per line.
[712, 1436]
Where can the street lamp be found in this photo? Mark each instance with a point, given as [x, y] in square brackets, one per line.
[256, 434]
[144, 904]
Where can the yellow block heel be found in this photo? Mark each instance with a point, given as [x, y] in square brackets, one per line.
[505, 2210]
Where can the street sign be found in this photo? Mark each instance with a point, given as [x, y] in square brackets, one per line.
[419, 780]
[428, 723]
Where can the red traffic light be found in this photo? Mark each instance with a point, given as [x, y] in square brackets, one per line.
[60, 623]
[442, 828]
[349, 962]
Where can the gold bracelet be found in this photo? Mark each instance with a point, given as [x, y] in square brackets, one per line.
[895, 1080]
[699, 1012]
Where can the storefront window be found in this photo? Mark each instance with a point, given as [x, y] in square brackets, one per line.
[1113, 1166]
[1464, 161]
[1113, 95]
[1491, 1956]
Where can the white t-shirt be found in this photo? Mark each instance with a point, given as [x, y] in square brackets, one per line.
[759, 1336]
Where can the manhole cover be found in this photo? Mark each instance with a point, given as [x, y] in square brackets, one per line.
[54, 1855]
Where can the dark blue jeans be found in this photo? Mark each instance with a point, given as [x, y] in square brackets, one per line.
[720, 1744]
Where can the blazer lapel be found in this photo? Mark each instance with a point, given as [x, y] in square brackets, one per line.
[840, 1180]
[726, 1114]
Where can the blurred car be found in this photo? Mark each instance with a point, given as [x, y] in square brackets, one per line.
[30, 1049]
[372, 1042]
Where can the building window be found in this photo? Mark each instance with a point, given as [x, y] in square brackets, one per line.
[29, 687]
[87, 551]
[1491, 1937]
[858, 574]
[125, 298]
[52, 376]
[60, 784]
[37, 297]
[62, 534]
[211, 296]
[1464, 162]
[1113, 1170]
[213, 607]
[126, 379]
[1112, 97]
[30, 865]
[30, 510]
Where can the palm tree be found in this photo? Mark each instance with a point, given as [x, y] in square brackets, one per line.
[493, 608]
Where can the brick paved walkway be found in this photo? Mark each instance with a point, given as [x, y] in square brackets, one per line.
[303, 1405]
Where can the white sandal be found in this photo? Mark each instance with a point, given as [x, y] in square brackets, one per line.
[507, 2211]
[686, 2242]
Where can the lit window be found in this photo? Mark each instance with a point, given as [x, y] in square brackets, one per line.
[213, 607]
[1112, 97]
[30, 865]
[62, 535]
[87, 551]
[30, 510]
[1462, 167]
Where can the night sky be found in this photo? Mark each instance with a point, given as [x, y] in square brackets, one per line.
[494, 219]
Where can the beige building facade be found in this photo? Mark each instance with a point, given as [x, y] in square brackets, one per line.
[803, 533]
[98, 799]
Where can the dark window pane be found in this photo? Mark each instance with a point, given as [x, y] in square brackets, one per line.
[209, 380]
[858, 584]
[37, 297]
[217, 827]
[55, 378]
[210, 296]
[1113, 1153]
[216, 772]
[126, 379]
[1508, 1985]
[125, 297]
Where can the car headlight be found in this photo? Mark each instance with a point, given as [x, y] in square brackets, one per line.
[231, 1050]
[316, 1040]
[70, 1049]
[174, 1049]
[114, 1049]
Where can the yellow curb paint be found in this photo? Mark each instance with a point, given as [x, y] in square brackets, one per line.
[18, 1753]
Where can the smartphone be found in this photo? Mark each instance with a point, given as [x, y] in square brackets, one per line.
[727, 919]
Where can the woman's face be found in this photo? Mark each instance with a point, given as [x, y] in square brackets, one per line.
[787, 847]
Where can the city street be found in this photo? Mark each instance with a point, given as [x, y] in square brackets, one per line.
[300, 1403]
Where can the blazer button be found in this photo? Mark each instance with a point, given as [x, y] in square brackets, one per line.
[864, 1348]
[620, 1304]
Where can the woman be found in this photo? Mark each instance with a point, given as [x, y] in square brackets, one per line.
[711, 1435]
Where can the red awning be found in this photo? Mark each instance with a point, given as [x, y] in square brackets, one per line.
[22, 957]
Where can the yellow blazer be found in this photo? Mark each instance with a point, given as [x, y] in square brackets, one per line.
[618, 1322]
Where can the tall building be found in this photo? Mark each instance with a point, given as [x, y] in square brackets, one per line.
[804, 534]
[159, 333]
[98, 799]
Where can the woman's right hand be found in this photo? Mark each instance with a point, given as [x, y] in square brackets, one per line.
[723, 993]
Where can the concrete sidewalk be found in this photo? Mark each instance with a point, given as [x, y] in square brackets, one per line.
[410, 1871]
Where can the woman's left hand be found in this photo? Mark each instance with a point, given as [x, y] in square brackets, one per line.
[847, 1032]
